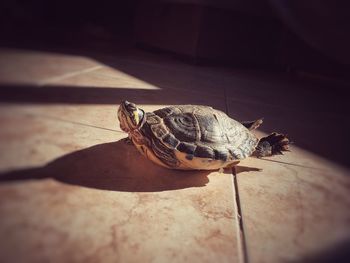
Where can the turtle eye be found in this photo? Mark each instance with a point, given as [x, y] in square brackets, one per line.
[131, 107]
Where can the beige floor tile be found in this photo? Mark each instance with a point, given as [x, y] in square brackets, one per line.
[297, 207]
[90, 94]
[107, 77]
[291, 213]
[93, 98]
[178, 76]
[102, 114]
[37, 68]
[74, 193]
[29, 139]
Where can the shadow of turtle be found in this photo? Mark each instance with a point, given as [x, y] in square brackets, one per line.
[112, 166]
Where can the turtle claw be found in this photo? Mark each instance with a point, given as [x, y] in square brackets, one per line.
[274, 144]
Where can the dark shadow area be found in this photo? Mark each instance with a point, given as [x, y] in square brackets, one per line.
[104, 36]
[338, 253]
[316, 130]
[241, 169]
[322, 132]
[302, 40]
[91, 95]
[112, 166]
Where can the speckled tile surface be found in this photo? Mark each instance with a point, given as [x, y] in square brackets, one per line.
[71, 190]
[292, 212]
[75, 193]
[19, 66]
[297, 208]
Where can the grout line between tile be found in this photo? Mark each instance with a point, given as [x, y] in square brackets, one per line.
[242, 237]
[68, 75]
[292, 164]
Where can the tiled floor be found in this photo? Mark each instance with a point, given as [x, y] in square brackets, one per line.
[72, 191]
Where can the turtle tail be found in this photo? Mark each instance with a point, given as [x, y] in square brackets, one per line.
[275, 143]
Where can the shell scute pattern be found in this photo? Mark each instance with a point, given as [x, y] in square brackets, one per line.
[204, 152]
[164, 153]
[152, 118]
[192, 137]
[211, 131]
[170, 141]
[159, 130]
[221, 154]
[242, 142]
[188, 148]
[198, 132]
[162, 113]
[182, 126]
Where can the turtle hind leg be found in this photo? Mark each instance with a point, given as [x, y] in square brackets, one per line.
[275, 143]
[252, 125]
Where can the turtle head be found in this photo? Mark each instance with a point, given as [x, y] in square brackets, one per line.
[130, 116]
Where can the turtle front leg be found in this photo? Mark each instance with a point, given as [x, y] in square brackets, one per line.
[128, 140]
[273, 144]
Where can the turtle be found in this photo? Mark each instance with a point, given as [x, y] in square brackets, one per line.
[195, 137]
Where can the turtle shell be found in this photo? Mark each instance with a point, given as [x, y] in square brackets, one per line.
[196, 137]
